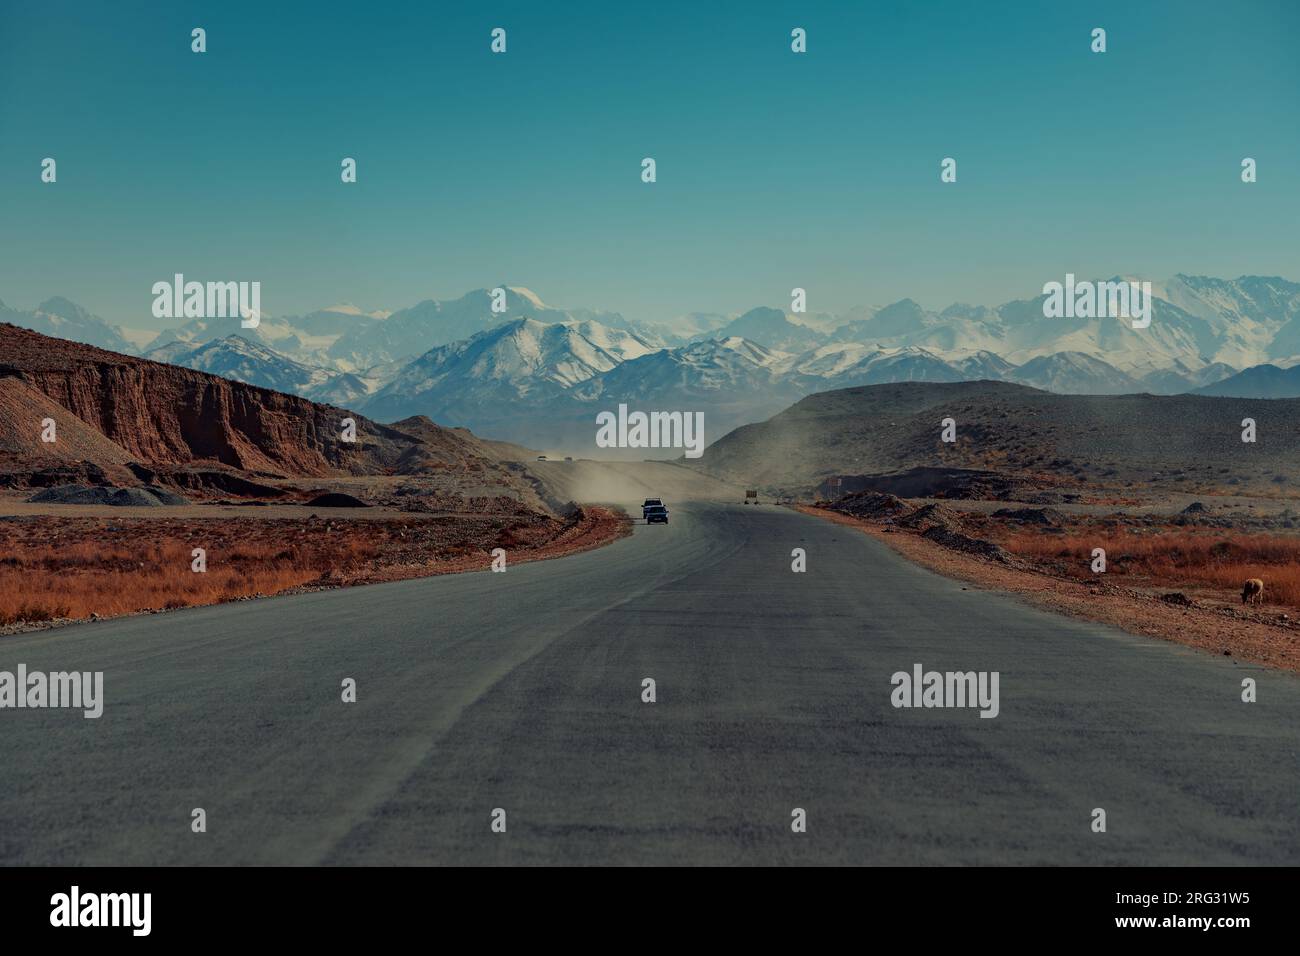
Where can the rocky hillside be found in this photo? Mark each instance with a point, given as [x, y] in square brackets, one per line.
[24, 409]
[1137, 442]
[112, 409]
[167, 415]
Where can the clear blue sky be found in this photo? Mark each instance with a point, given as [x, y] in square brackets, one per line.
[775, 170]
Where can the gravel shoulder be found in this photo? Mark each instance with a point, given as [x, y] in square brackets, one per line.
[1219, 631]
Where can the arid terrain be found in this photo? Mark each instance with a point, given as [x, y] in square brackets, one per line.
[150, 462]
[1184, 510]
[113, 470]
[58, 569]
[1174, 576]
[1016, 443]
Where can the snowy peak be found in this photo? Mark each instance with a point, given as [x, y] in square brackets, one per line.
[347, 308]
[516, 359]
[527, 295]
[772, 328]
[829, 361]
[981, 365]
[65, 309]
[65, 319]
[242, 360]
[558, 353]
[730, 370]
[1074, 373]
[505, 372]
[620, 343]
[753, 352]
[411, 332]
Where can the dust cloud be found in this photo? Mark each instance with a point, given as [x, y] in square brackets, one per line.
[627, 484]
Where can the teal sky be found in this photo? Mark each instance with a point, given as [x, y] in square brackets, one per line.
[775, 170]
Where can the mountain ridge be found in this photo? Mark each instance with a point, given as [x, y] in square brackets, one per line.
[166, 418]
[535, 374]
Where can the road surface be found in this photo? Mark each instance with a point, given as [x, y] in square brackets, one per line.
[523, 691]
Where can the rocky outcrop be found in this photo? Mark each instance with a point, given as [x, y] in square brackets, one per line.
[166, 415]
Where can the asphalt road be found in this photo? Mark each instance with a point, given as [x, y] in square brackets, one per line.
[522, 691]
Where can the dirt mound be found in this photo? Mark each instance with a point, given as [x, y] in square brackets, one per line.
[968, 545]
[870, 504]
[336, 499]
[932, 516]
[1049, 517]
[147, 497]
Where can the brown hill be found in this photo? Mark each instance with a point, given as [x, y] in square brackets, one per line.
[167, 415]
[114, 410]
[438, 447]
[1178, 442]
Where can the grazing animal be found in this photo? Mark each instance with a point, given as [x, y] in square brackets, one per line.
[1253, 592]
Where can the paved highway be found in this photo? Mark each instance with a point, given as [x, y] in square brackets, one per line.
[523, 691]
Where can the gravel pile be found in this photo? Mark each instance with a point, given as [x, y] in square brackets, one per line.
[147, 497]
[871, 504]
[968, 545]
[932, 516]
[336, 499]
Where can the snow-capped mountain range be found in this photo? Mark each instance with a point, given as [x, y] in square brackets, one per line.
[536, 374]
[67, 320]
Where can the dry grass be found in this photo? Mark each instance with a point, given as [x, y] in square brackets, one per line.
[72, 567]
[83, 578]
[1177, 558]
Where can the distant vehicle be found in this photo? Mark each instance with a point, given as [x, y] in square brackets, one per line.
[568, 458]
[541, 458]
[656, 514]
[648, 504]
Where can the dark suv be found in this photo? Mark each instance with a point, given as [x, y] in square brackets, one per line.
[648, 504]
[656, 514]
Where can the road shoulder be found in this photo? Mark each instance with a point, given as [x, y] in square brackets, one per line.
[1123, 608]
